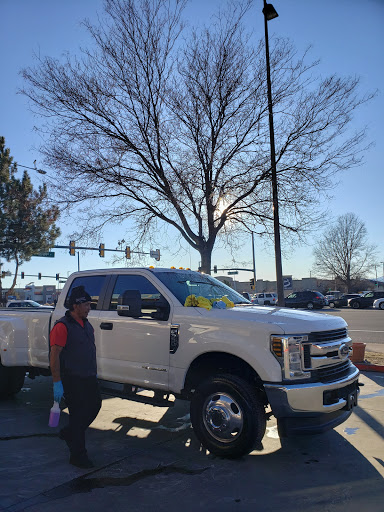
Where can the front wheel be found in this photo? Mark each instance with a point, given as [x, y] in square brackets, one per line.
[310, 305]
[331, 304]
[227, 416]
[356, 305]
[381, 305]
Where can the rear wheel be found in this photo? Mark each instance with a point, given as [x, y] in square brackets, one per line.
[331, 304]
[11, 380]
[228, 416]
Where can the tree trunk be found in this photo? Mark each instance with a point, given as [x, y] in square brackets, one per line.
[9, 292]
[348, 278]
[206, 256]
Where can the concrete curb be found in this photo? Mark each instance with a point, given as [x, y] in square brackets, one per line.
[369, 367]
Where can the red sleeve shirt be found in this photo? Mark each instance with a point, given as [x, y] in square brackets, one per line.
[59, 334]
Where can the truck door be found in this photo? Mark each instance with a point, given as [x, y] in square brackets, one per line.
[134, 350]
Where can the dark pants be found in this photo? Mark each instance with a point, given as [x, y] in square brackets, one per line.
[83, 399]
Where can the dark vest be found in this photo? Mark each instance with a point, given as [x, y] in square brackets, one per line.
[78, 357]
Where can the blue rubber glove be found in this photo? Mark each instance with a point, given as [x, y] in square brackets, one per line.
[58, 391]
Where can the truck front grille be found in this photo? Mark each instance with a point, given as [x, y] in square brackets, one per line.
[332, 373]
[325, 336]
[325, 355]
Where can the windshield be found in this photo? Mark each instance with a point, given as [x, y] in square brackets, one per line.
[182, 284]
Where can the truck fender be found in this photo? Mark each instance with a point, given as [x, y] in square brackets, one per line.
[13, 342]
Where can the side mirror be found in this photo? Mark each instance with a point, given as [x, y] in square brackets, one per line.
[129, 304]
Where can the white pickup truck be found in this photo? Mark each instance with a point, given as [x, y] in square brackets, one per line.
[236, 365]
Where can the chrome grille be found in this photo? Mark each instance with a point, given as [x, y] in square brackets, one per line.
[325, 355]
[325, 336]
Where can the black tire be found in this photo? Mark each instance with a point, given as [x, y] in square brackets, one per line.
[355, 305]
[228, 416]
[381, 305]
[310, 305]
[11, 380]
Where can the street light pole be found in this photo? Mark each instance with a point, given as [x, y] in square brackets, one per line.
[269, 14]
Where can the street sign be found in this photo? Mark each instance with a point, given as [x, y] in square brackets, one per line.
[155, 254]
[287, 282]
[45, 254]
[232, 272]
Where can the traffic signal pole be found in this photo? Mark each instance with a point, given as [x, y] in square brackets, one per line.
[254, 262]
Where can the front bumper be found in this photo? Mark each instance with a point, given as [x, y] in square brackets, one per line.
[314, 407]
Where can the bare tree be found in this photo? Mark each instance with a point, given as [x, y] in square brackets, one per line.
[172, 131]
[344, 253]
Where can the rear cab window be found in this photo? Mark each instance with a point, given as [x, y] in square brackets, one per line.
[93, 285]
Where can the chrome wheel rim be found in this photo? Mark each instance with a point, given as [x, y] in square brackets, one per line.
[223, 417]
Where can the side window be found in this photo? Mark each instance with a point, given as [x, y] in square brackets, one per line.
[369, 295]
[92, 285]
[292, 296]
[153, 304]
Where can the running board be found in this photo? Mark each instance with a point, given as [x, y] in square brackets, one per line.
[129, 392]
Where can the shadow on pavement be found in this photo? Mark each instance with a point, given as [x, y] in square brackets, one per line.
[148, 464]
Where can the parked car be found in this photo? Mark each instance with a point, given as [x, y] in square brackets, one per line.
[265, 299]
[25, 304]
[366, 300]
[306, 299]
[342, 301]
[379, 304]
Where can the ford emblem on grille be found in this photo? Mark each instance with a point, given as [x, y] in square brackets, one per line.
[343, 351]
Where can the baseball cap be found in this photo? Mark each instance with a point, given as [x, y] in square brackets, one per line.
[78, 296]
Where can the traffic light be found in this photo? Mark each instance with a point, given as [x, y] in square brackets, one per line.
[72, 247]
[215, 269]
[128, 252]
[252, 283]
[57, 277]
[22, 275]
[101, 250]
[39, 275]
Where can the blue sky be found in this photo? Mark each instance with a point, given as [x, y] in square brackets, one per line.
[346, 35]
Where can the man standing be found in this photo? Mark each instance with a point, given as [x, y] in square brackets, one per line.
[74, 372]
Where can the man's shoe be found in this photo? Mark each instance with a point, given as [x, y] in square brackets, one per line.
[81, 461]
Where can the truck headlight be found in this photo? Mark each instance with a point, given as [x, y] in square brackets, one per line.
[289, 351]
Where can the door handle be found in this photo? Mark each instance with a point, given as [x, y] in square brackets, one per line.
[108, 326]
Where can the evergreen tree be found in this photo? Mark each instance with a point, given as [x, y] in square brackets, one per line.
[27, 221]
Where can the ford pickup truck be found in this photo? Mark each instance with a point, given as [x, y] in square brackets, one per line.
[165, 334]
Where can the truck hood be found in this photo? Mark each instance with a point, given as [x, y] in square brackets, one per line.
[289, 320]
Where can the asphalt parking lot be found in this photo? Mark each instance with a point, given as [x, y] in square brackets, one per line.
[147, 459]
